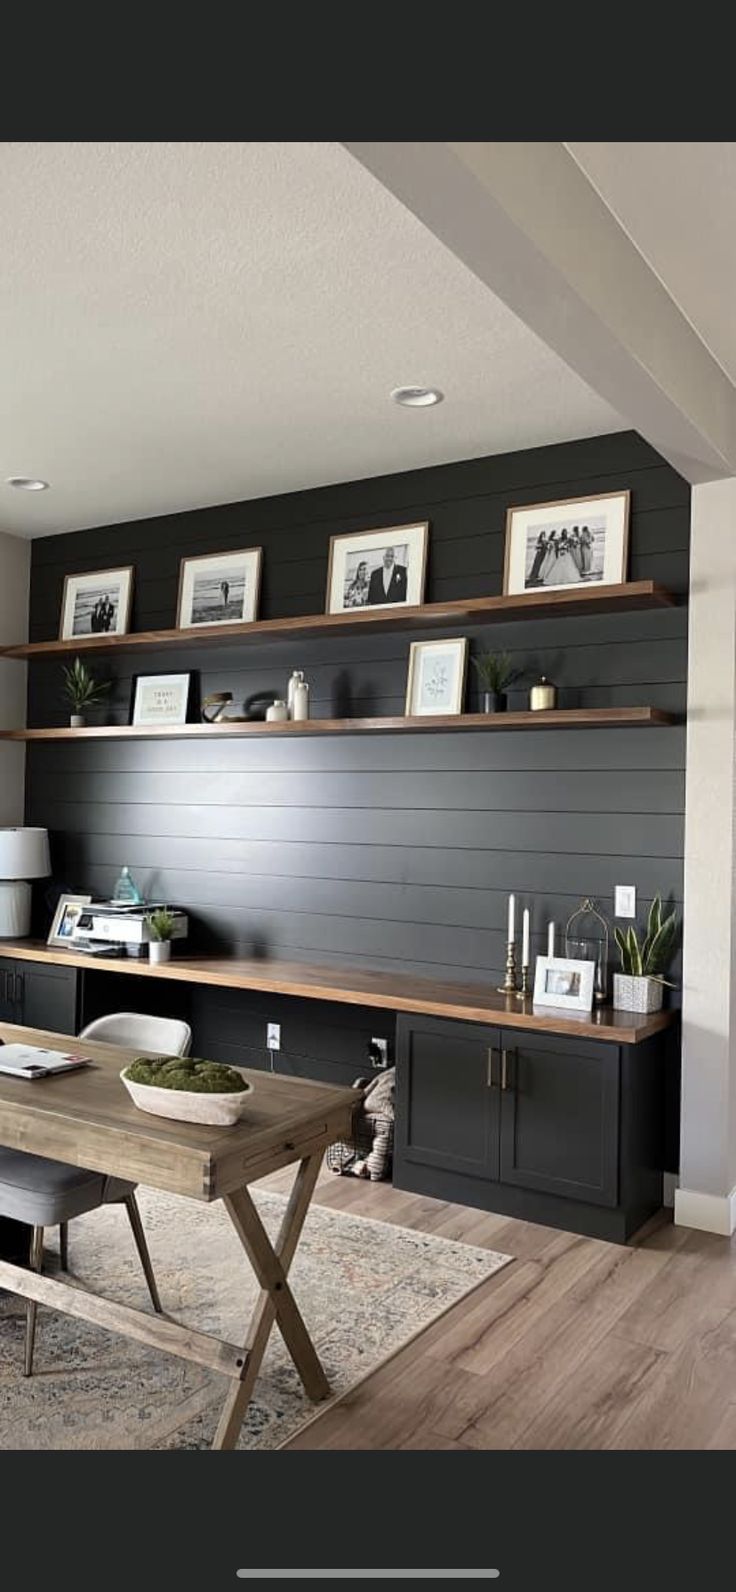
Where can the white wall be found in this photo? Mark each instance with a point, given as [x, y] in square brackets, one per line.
[15, 565]
[707, 1194]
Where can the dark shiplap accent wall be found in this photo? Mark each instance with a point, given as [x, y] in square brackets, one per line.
[385, 851]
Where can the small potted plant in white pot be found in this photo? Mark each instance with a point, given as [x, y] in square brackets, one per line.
[496, 674]
[161, 925]
[81, 691]
[639, 987]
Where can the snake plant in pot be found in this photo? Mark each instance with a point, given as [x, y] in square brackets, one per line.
[639, 986]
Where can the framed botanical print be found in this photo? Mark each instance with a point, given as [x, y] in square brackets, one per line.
[436, 680]
[561, 546]
[377, 569]
[219, 588]
[96, 604]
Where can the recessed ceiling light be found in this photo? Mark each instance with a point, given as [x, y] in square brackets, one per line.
[26, 483]
[417, 397]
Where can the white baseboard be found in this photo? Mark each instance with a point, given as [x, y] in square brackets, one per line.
[710, 1213]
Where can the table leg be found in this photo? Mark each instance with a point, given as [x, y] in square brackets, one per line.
[275, 1301]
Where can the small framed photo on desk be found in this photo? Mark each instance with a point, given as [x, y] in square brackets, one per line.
[563, 982]
[69, 909]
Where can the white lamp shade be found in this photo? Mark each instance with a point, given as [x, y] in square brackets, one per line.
[24, 854]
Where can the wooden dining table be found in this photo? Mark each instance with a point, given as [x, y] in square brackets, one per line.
[86, 1118]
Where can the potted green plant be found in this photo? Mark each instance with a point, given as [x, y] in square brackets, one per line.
[82, 690]
[496, 673]
[161, 926]
[639, 987]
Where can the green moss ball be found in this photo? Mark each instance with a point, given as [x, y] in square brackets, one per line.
[186, 1072]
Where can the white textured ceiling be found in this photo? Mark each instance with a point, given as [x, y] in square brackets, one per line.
[189, 324]
[677, 201]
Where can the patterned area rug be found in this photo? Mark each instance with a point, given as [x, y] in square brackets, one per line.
[365, 1288]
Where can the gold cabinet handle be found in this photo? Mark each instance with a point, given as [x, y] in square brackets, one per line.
[489, 1068]
[504, 1069]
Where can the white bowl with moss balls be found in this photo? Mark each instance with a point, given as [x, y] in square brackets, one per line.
[187, 1089]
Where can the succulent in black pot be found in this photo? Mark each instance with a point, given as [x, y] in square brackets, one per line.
[496, 673]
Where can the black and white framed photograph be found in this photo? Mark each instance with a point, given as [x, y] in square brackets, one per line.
[575, 543]
[97, 603]
[219, 589]
[69, 909]
[161, 698]
[562, 981]
[436, 679]
[377, 569]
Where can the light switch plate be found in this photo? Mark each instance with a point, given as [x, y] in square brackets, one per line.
[625, 901]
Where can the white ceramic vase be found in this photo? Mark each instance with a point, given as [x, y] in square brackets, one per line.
[77, 721]
[637, 994]
[159, 950]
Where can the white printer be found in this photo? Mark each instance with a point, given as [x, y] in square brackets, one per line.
[108, 926]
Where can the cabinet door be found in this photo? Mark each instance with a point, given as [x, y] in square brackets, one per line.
[560, 1117]
[47, 997]
[447, 1096]
[9, 988]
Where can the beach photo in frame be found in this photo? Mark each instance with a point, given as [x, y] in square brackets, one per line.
[219, 589]
[564, 982]
[436, 679]
[377, 569]
[96, 604]
[574, 543]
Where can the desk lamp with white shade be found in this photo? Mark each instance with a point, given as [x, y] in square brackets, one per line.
[24, 855]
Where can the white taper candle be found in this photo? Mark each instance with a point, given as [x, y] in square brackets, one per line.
[525, 939]
[512, 918]
[551, 940]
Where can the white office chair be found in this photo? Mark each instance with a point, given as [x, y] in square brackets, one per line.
[44, 1193]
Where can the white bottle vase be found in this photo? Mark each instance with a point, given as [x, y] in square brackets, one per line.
[159, 950]
[300, 701]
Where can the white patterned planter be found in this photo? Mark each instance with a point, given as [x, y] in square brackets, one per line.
[637, 994]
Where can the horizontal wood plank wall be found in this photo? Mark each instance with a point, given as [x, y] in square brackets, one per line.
[386, 851]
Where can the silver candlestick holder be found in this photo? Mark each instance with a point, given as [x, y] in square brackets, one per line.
[509, 985]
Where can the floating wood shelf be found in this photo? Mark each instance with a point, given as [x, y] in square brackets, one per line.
[554, 719]
[469, 610]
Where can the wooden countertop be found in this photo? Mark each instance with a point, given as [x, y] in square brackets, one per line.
[475, 1003]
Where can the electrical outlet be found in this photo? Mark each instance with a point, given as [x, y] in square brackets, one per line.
[625, 901]
[378, 1052]
[273, 1036]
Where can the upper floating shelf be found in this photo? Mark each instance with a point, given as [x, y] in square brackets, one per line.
[552, 719]
[467, 610]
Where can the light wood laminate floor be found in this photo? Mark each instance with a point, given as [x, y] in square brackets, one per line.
[578, 1344]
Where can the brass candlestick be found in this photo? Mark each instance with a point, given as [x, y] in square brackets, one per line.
[525, 990]
[509, 987]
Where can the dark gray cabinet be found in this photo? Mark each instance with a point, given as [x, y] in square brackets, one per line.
[38, 995]
[552, 1129]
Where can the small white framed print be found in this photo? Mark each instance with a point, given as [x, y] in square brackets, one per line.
[562, 981]
[567, 545]
[161, 698]
[69, 909]
[436, 679]
[219, 589]
[97, 604]
[377, 569]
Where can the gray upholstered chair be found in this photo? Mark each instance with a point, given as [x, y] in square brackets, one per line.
[44, 1193]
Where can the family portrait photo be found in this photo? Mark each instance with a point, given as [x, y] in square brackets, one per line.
[377, 569]
[96, 604]
[221, 589]
[69, 909]
[557, 546]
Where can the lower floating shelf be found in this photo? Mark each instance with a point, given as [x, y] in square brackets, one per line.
[551, 719]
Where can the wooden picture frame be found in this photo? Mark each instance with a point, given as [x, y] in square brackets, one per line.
[216, 571]
[567, 544]
[86, 601]
[348, 592]
[429, 693]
